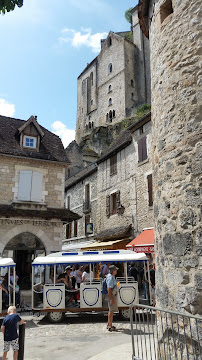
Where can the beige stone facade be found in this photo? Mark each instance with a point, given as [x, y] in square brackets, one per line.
[175, 41]
[32, 176]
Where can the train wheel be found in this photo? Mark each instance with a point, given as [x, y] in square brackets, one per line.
[56, 317]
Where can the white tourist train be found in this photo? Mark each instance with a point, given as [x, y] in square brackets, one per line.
[49, 296]
[52, 296]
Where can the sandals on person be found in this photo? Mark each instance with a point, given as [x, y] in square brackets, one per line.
[111, 328]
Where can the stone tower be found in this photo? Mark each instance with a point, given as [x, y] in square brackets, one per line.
[174, 28]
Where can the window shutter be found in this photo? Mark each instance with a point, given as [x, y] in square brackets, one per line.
[36, 192]
[144, 148]
[118, 200]
[140, 150]
[108, 205]
[150, 193]
[25, 182]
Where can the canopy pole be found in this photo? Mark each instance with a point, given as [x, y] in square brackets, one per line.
[14, 286]
[32, 287]
[145, 278]
[126, 272]
[90, 273]
[54, 280]
[9, 284]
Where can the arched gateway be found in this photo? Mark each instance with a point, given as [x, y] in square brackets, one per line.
[23, 248]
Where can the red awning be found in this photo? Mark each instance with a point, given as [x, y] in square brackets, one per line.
[143, 242]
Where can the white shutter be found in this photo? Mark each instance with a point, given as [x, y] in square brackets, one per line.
[36, 192]
[24, 189]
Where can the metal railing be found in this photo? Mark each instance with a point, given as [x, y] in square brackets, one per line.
[159, 334]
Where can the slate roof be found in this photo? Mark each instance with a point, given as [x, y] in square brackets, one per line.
[119, 232]
[80, 175]
[7, 210]
[120, 143]
[51, 147]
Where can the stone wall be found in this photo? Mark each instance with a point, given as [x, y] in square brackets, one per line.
[53, 179]
[177, 153]
[131, 181]
[77, 198]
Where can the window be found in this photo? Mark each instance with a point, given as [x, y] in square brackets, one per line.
[68, 202]
[110, 88]
[89, 118]
[30, 186]
[109, 41]
[150, 192]
[132, 96]
[110, 116]
[114, 114]
[132, 83]
[110, 68]
[87, 221]
[91, 102]
[110, 101]
[68, 172]
[112, 203]
[91, 78]
[107, 117]
[92, 124]
[83, 87]
[89, 125]
[82, 110]
[141, 130]
[86, 127]
[75, 228]
[29, 141]
[68, 230]
[113, 165]
[165, 10]
[142, 149]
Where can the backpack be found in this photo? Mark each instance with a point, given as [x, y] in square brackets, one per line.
[104, 287]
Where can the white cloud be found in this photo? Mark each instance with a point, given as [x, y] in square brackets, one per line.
[84, 37]
[66, 135]
[6, 109]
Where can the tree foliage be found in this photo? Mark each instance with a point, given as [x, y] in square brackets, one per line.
[128, 15]
[8, 5]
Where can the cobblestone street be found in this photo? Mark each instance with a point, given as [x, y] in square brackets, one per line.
[81, 337]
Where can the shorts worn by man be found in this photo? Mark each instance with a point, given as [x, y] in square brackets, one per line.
[112, 294]
[9, 329]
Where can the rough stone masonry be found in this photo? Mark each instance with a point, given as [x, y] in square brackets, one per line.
[175, 41]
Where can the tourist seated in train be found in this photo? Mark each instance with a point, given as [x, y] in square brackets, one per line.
[78, 275]
[86, 274]
[73, 276]
[70, 296]
[5, 294]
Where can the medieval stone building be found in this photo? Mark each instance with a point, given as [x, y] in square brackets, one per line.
[32, 175]
[114, 195]
[174, 28]
[115, 83]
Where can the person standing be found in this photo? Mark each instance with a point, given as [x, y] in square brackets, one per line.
[112, 296]
[9, 329]
[133, 272]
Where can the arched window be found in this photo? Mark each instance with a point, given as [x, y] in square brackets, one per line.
[132, 83]
[110, 101]
[113, 113]
[110, 68]
[89, 125]
[107, 117]
[110, 116]
[91, 78]
[110, 88]
[109, 41]
[92, 124]
[132, 96]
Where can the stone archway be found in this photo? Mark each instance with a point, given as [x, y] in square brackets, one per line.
[23, 248]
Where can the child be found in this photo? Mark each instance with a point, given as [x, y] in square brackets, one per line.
[9, 329]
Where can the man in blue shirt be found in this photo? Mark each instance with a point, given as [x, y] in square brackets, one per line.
[112, 296]
[9, 329]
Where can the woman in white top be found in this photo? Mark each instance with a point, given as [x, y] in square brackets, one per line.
[86, 274]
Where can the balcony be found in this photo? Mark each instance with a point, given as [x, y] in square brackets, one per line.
[87, 206]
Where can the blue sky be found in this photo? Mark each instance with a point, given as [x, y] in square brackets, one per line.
[44, 47]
